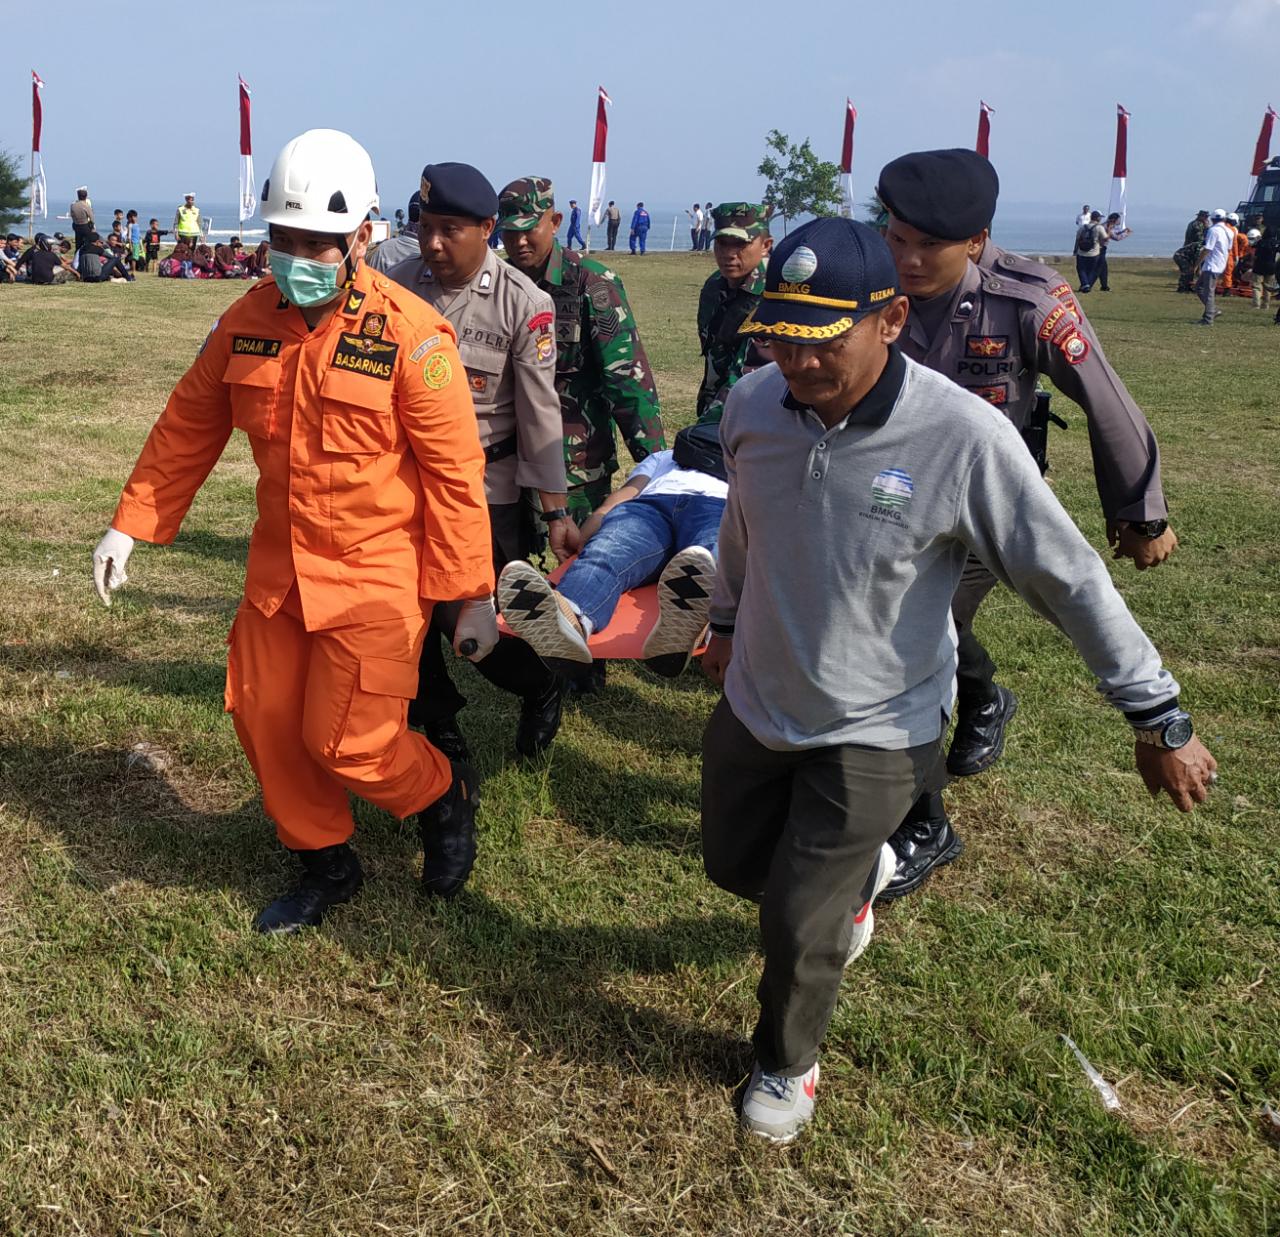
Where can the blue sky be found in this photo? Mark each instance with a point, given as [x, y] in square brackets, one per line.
[695, 86]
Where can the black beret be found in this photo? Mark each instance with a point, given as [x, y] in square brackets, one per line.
[950, 194]
[457, 189]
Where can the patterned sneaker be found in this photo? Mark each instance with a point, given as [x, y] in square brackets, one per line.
[778, 1108]
[539, 615]
[864, 921]
[684, 601]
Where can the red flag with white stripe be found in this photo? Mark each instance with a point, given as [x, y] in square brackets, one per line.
[846, 160]
[595, 203]
[983, 144]
[1119, 172]
[248, 192]
[39, 191]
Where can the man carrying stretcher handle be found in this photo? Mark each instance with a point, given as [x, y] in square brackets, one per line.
[661, 525]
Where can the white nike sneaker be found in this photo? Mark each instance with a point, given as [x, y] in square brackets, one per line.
[539, 615]
[864, 920]
[778, 1108]
[684, 602]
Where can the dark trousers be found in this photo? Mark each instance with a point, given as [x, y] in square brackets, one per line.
[614, 224]
[1086, 270]
[798, 833]
[82, 232]
[512, 665]
[1100, 272]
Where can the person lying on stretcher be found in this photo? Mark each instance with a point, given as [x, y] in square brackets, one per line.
[661, 525]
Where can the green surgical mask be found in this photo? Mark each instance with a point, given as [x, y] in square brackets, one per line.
[303, 281]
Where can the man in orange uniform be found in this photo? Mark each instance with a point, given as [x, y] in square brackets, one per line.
[1228, 280]
[371, 508]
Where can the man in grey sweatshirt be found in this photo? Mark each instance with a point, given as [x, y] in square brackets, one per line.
[859, 483]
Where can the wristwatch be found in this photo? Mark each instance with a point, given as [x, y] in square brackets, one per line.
[1149, 528]
[1174, 732]
[556, 513]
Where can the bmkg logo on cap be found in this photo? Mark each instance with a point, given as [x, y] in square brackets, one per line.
[799, 267]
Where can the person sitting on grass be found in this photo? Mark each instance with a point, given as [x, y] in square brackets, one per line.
[9, 255]
[43, 263]
[661, 525]
[96, 265]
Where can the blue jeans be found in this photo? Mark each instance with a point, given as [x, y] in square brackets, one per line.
[1087, 270]
[636, 541]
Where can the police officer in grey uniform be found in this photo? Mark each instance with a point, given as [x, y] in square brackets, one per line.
[402, 246]
[506, 337]
[994, 328]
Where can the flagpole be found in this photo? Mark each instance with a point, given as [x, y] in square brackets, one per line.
[31, 216]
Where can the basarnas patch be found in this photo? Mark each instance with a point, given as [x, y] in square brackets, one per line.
[361, 355]
[373, 325]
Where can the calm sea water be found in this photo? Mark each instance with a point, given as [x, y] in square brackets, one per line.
[1030, 227]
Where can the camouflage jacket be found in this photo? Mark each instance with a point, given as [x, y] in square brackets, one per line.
[726, 354]
[602, 372]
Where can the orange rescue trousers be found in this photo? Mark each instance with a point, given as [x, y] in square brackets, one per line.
[322, 713]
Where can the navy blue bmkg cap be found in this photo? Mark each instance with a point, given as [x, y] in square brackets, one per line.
[822, 279]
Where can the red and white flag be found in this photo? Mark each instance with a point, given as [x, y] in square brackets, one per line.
[39, 191]
[595, 203]
[1119, 173]
[1262, 151]
[846, 160]
[983, 144]
[248, 192]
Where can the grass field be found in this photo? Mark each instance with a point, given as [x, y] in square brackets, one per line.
[558, 1050]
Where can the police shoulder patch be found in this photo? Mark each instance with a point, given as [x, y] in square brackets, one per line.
[546, 347]
[437, 372]
[542, 321]
[1073, 346]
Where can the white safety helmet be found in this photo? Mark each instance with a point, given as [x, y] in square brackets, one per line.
[1218, 214]
[1232, 217]
[322, 181]
[1254, 236]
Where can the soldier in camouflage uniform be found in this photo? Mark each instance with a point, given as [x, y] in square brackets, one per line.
[741, 244]
[602, 373]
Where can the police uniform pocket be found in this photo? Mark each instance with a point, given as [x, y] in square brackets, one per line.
[376, 714]
[356, 418]
[252, 381]
[484, 373]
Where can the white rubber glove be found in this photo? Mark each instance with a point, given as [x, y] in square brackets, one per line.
[108, 563]
[478, 622]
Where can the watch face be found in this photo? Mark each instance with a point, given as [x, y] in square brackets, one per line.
[1178, 732]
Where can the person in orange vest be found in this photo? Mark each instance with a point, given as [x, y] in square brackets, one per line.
[1228, 280]
[371, 508]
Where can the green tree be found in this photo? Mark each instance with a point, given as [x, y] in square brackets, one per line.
[798, 182]
[873, 211]
[13, 191]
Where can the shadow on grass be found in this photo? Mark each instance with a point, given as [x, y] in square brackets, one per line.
[550, 985]
[205, 544]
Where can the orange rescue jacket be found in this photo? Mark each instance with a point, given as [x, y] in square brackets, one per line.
[371, 486]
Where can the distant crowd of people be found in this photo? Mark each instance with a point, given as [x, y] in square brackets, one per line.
[1093, 235]
[127, 250]
[701, 227]
[1220, 257]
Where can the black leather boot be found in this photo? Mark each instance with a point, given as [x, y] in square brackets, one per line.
[330, 876]
[445, 737]
[539, 720]
[448, 831]
[923, 842]
[979, 737]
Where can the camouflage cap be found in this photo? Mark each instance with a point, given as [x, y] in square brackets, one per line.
[523, 202]
[742, 221]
